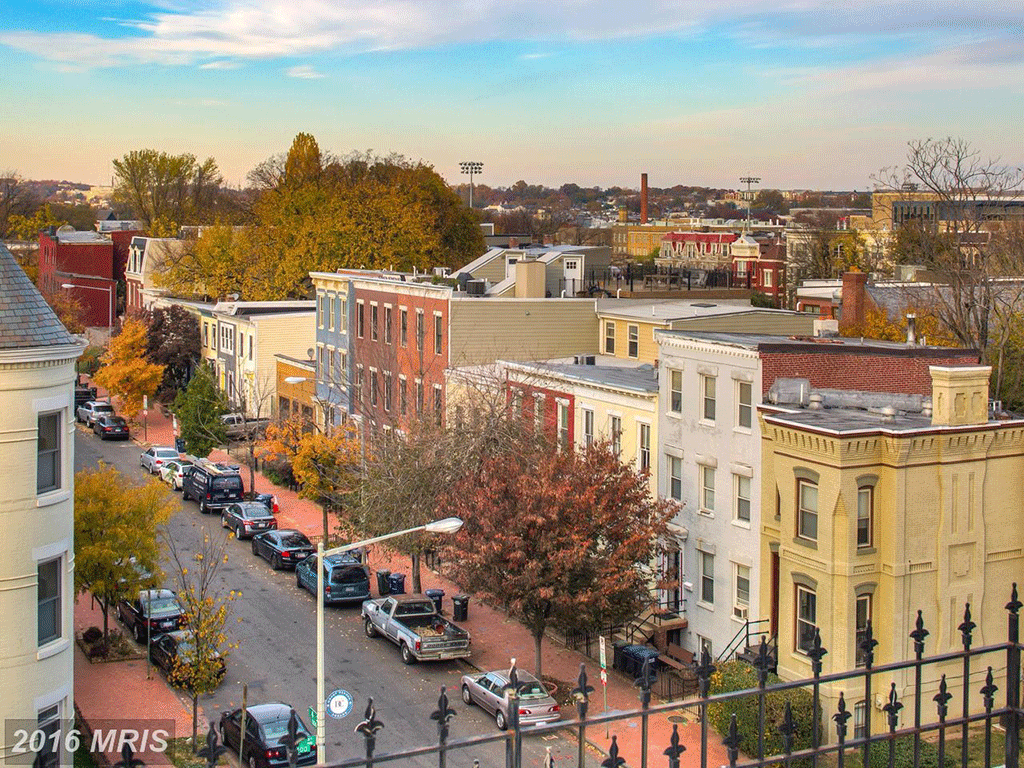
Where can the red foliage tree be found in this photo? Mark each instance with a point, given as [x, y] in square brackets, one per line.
[558, 537]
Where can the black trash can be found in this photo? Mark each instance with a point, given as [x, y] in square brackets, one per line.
[436, 597]
[617, 655]
[396, 583]
[460, 607]
[179, 444]
[383, 585]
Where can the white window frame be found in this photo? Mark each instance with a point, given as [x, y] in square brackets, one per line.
[588, 426]
[643, 446]
[633, 341]
[708, 383]
[739, 499]
[744, 408]
[675, 394]
[675, 477]
[403, 328]
[740, 605]
[55, 454]
[563, 423]
[388, 333]
[802, 531]
[706, 473]
[438, 333]
[865, 519]
[803, 622]
[615, 427]
[609, 348]
[706, 588]
[58, 598]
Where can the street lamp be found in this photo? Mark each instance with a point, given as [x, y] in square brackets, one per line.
[471, 167]
[447, 525]
[108, 289]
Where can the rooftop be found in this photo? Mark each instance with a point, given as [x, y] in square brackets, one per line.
[67, 234]
[675, 309]
[26, 320]
[759, 341]
[638, 378]
[252, 308]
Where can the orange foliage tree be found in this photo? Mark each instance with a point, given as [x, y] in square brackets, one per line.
[877, 325]
[125, 372]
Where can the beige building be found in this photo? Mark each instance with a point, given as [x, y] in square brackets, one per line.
[879, 514]
[37, 569]
[550, 271]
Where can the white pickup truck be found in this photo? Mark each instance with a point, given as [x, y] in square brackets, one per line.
[413, 624]
[240, 427]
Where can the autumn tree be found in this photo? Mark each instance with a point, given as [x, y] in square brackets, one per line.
[199, 408]
[326, 466]
[927, 327]
[68, 308]
[16, 200]
[818, 249]
[557, 537]
[198, 668]
[770, 201]
[173, 341]
[125, 372]
[165, 190]
[28, 227]
[116, 544]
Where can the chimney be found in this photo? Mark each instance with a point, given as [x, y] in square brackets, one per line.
[513, 242]
[854, 299]
[643, 198]
[623, 214]
[959, 395]
[531, 278]
[911, 330]
[549, 240]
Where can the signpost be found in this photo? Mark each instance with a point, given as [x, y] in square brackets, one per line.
[604, 675]
[145, 417]
[312, 717]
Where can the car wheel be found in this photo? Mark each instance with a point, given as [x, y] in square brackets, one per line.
[223, 522]
[252, 761]
[298, 579]
[369, 629]
[184, 494]
[499, 718]
[137, 633]
[202, 508]
[466, 696]
[223, 736]
[276, 563]
[238, 532]
[407, 657]
[255, 549]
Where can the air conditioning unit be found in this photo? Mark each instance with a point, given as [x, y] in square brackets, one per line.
[476, 287]
[740, 612]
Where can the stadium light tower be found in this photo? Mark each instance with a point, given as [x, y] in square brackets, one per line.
[748, 180]
[471, 167]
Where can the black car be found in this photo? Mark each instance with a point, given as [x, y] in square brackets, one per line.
[266, 734]
[247, 518]
[111, 427]
[214, 486]
[282, 549]
[150, 613]
[173, 651]
[346, 579]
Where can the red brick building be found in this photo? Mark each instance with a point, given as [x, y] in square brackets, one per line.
[759, 263]
[86, 261]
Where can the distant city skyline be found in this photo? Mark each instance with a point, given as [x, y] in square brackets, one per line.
[802, 94]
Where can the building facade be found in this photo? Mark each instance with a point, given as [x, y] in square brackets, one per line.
[84, 261]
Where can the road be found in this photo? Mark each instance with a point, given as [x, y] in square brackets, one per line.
[274, 627]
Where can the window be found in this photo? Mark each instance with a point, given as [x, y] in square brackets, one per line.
[644, 447]
[48, 721]
[865, 504]
[807, 510]
[419, 330]
[563, 424]
[538, 413]
[742, 498]
[330, 313]
[862, 617]
[359, 384]
[707, 578]
[250, 347]
[48, 592]
[438, 333]
[745, 407]
[707, 489]
[342, 314]
[388, 386]
[609, 337]
[675, 473]
[588, 427]
[360, 319]
[387, 325]
[860, 711]
[206, 334]
[403, 401]
[741, 600]
[419, 396]
[617, 434]
[766, 278]
[403, 333]
[330, 363]
[374, 331]
[633, 340]
[438, 403]
[806, 618]
[707, 389]
[704, 646]
[675, 379]
[48, 464]
[373, 387]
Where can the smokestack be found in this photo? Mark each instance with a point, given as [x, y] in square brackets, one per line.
[643, 198]
[911, 330]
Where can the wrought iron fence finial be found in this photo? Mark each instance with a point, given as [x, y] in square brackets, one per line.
[732, 741]
[988, 692]
[675, 749]
[1015, 604]
[613, 760]
[841, 717]
[967, 627]
[892, 708]
[942, 698]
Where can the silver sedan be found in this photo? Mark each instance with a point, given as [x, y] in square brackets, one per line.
[490, 691]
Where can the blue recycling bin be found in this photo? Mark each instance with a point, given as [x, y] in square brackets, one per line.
[396, 583]
[436, 597]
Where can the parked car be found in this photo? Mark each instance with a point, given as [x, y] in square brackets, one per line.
[247, 518]
[413, 624]
[150, 612]
[282, 549]
[154, 459]
[173, 652]
[111, 426]
[490, 690]
[266, 728]
[238, 426]
[173, 472]
[214, 486]
[346, 579]
[86, 414]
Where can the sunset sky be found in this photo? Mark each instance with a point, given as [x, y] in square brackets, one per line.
[587, 91]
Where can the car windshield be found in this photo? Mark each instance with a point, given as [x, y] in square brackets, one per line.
[532, 690]
[103, 408]
[278, 728]
[117, 421]
[227, 483]
[417, 608]
[160, 605]
[295, 539]
[350, 575]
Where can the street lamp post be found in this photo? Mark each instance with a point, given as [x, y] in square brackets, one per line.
[447, 525]
[108, 289]
[471, 167]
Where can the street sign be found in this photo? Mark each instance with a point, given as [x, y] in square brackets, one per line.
[339, 704]
[145, 401]
[604, 677]
[312, 717]
[305, 745]
[604, 653]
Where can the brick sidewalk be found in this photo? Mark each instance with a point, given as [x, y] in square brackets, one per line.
[496, 637]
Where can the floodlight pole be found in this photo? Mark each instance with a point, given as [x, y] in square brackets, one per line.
[471, 168]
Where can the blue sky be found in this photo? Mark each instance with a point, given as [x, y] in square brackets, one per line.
[804, 94]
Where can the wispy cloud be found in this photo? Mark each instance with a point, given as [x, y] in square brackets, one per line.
[220, 64]
[532, 56]
[303, 72]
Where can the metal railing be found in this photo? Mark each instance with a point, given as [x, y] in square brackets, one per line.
[656, 613]
[742, 638]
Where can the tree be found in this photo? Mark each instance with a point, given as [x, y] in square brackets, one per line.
[557, 536]
[163, 189]
[125, 372]
[199, 666]
[28, 227]
[16, 201]
[198, 409]
[819, 250]
[877, 325]
[173, 341]
[770, 201]
[326, 466]
[68, 308]
[116, 546]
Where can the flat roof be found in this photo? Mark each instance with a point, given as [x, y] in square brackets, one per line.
[854, 420]
[639, 378]
[757, 341]
[666, 310]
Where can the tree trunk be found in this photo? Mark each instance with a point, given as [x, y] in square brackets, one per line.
[324, 507]
[106, 633]
[416, 573]
[195, 722]
[538, 654]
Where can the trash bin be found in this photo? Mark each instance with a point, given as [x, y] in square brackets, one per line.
[436, 597]
[383, 586]
[617, 655]
[179, 444]
[460, 607]
[396, 583]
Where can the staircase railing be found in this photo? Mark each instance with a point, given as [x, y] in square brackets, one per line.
[655, 613]
[742, 638]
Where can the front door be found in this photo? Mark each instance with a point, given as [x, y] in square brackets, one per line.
[775, 594]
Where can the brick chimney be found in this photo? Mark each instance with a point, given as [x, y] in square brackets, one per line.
[643, 198]
[855, 299]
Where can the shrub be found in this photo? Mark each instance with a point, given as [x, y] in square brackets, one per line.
[89, 362]
[92, 634]
[758, 299]
[738, 676]
[904, 755]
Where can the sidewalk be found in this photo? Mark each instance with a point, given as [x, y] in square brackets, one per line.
[496, 638]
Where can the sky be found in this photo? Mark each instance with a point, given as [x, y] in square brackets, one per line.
[802, 93]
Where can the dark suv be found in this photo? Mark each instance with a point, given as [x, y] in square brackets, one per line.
[214, 486]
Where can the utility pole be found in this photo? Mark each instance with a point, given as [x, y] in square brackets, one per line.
[748, 180]
[471, 168]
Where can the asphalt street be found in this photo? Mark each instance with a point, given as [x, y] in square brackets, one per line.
[274, 627]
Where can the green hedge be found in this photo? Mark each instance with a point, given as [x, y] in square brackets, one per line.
[89, 362]
[738, 676]
[904, 755]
